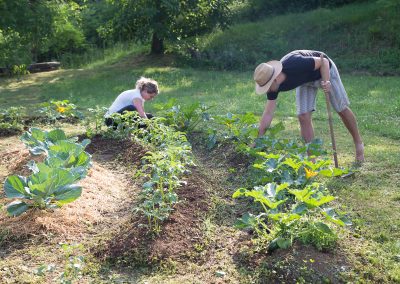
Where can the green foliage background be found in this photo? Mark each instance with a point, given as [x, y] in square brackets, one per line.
[359, 37]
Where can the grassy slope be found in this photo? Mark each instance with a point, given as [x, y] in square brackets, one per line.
[360, 37]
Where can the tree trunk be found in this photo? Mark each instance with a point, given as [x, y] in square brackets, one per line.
[157, 45]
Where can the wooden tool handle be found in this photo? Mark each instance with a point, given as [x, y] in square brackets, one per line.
[328, 108]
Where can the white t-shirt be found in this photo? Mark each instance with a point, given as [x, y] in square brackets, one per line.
[123, 100]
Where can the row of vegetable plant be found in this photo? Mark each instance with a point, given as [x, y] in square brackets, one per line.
[291, 201]
[14, 119]
[53, 181]
[164, 165]
[285, 180]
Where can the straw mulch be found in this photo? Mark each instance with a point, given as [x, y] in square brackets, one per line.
[107, 197]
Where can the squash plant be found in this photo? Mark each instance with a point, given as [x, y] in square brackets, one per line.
[11, 120]
[292, 169]
[56, 109]
[290, 204]
[286, 212]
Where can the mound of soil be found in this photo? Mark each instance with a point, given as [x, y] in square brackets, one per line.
[125, 152]
[7, 132]
[183, 230]
[107, 196]
[105, 207]
[178, 236]
[289, 265]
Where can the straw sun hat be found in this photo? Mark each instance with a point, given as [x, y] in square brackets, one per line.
[265, 74]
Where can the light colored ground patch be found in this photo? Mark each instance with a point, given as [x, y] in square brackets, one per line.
[103, 202]
[33, 239]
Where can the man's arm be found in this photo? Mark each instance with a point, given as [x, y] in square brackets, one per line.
[267, 116]
[325, 72]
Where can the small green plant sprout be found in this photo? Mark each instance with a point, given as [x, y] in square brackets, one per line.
[94, 122]
[74, 264]
[46, 188]
[43, 269]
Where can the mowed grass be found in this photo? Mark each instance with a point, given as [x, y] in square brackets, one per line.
[372, 196]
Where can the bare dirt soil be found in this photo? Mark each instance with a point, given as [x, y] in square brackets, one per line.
[104, 209]
[198, 238]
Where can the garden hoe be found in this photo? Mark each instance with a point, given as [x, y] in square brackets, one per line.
[328, 109]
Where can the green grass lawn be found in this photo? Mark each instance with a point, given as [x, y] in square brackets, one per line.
[372, 196]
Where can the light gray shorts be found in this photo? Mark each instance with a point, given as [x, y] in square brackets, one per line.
[306, 94]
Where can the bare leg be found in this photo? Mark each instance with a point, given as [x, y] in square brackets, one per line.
[306, 126]
[349, 120]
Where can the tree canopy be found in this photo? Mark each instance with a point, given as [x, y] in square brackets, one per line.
[38, 30]
[160, 20]
[42, 30]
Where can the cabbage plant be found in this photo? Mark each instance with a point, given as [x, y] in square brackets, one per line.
[38, 141]
[52, 182]
[47, 187]
[70, 155]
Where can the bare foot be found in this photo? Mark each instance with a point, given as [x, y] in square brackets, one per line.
[360, 153]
